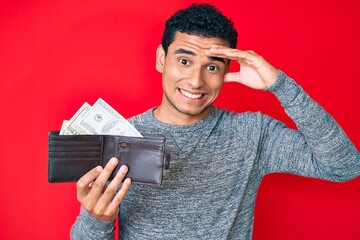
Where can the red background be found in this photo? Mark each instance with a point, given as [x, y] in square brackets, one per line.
[57, 55]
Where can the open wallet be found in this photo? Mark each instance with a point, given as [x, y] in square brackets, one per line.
[71, 156]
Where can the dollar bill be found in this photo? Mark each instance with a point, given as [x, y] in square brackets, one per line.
[71, 127]
[63, 130]
[101, 119]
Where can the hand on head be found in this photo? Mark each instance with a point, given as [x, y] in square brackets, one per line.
[255, 71]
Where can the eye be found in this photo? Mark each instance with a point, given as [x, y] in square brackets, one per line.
[212, 68]
[183, 61]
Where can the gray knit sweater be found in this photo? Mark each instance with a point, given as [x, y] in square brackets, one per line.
[217, 165]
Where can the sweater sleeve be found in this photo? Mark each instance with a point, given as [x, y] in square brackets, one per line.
[87, 227]
[319, 148]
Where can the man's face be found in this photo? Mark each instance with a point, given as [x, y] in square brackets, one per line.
[191, 79]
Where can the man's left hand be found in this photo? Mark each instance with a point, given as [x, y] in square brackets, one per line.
[255, 72]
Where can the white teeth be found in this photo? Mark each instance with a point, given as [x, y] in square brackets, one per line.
[189, 95]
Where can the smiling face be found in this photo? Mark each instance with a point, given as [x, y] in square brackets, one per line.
[191, 80]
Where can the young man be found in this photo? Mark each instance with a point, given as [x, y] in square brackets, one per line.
[218, 158]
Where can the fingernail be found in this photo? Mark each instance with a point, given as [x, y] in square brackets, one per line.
[113, 161]
[123, 168]
[99, 168]
[127, 181]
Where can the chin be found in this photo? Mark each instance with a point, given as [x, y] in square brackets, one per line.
[193, 113]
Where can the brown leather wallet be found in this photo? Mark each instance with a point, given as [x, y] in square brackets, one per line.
[71, 156]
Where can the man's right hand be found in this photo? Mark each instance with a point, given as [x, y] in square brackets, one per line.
[102, 201]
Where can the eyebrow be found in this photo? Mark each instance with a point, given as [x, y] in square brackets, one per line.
[184, 51]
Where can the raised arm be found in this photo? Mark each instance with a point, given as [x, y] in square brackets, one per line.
[320, 148]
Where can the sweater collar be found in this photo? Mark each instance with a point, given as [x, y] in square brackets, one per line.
[179, 128]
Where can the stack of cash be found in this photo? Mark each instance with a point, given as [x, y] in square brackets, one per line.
[99, 119]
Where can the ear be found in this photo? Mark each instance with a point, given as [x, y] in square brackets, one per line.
[160, 59]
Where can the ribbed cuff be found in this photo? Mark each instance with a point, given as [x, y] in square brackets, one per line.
[286, 90]
[95, 224]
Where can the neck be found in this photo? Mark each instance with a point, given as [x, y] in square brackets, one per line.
[173, 117]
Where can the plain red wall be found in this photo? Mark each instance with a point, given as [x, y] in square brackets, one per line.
[55, 55]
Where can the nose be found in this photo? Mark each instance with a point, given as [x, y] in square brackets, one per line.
[196, 79]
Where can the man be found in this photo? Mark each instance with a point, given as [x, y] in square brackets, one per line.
[218, 157]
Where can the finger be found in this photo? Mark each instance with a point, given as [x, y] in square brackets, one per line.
[85, 182]
[106, 204]
[114, 185]
[224, 48]
[221, 52]
[119, 197]
[101, 180]
[252, 52]
[231, 77]
[91, 185]
[232, 53]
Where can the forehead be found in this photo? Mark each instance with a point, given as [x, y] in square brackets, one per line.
[195, 43]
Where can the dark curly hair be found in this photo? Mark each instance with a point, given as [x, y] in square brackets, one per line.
[202, 20]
